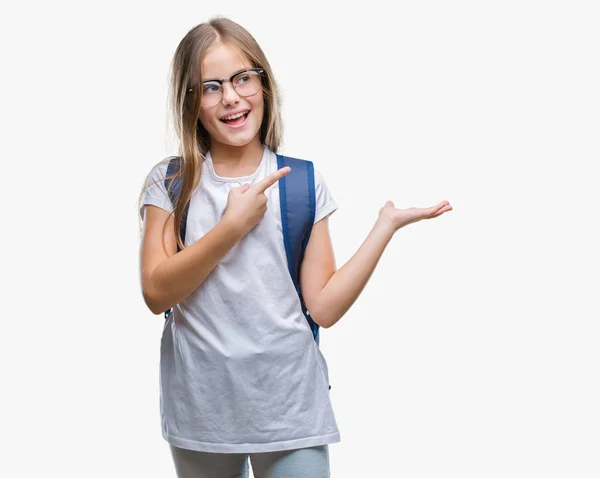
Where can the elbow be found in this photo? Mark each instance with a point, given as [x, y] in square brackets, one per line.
[321, 320]
[152, 303]
[326, 321]
[150, 293]
[152, 306]
[157, 311]
[154, 300]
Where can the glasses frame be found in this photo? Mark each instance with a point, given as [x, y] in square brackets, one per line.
[260, 71]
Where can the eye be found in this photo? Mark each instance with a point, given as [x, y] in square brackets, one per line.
[209, 88]
[242, 79]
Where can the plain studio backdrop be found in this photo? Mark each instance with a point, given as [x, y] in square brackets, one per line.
[473, 350]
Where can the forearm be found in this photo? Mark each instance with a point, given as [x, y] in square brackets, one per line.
[346, 284]
[178, 276]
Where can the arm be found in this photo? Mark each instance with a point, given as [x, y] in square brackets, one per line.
[169, 277]
[328, 293]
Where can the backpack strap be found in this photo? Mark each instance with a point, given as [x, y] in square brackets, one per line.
[298, 203]
[173, 187]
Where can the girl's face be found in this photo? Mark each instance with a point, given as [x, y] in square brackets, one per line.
[223, 61]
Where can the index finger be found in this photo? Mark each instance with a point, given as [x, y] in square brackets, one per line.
[271, 179]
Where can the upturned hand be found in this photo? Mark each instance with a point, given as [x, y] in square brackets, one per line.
[398, 218]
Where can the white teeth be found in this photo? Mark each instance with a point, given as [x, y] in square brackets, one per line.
[234, 116]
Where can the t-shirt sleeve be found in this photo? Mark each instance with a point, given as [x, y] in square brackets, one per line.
[155, 192]
[325, 204]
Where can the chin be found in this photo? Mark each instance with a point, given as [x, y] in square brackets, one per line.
[235, 141]
[240, 139]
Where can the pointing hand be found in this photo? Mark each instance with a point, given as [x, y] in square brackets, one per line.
[247, 205]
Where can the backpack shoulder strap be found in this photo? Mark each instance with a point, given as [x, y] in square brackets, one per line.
[173, 187]
[298, 203]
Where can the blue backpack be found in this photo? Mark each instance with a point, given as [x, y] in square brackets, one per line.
[297, 201]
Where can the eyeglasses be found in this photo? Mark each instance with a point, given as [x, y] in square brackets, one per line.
[245, 83]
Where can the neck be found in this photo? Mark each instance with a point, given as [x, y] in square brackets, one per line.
[237, 156]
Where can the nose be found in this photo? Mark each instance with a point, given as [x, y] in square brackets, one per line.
[230, 96]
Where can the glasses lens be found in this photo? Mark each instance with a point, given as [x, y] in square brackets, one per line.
[247, 83]
[211, 93]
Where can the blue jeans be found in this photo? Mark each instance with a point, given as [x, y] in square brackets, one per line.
[311, 462]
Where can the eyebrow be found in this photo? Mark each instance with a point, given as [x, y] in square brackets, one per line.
[219, 79]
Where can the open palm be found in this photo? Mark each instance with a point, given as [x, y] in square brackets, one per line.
[401, 217]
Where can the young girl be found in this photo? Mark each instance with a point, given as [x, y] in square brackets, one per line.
[241, 374]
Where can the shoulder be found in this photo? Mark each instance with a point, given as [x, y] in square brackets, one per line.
[291, 160]
[305, 163]
[159, 171]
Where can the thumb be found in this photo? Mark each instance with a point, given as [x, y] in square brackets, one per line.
[244, 188]
[390, 203]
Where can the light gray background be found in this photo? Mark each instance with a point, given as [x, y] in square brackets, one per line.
[472, 352]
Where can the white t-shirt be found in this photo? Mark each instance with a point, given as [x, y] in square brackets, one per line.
[240, 371]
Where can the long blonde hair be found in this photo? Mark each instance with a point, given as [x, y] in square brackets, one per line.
[194, 140]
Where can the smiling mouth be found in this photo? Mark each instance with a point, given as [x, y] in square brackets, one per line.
[236, 120]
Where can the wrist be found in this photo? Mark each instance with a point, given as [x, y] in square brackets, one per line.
[385, 225]
[232, 227]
